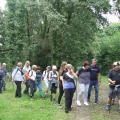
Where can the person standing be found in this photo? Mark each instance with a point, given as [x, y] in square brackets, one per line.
[4, 78]
[45, 77]
[69, 87]
[53, 82]
[26, 69]
[62, 71]
[32, 78]
[84, 82]
[94, 80]
[1, 78]
[114, 85]
[39, 80]
[17, 77]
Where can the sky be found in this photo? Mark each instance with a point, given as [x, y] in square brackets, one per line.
[112, 18]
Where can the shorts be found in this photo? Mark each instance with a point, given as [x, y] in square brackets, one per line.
[113, 93]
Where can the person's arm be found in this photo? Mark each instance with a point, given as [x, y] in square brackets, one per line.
[74, 74]
[50, 74]
[111, 81]
[57, 76]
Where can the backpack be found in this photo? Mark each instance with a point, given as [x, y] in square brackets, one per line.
[27, 76]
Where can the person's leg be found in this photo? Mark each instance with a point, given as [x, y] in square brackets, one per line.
[34, 87]
[67, 99]
[0, 86]
[40, 88]
[81, 92]
[89, 90]
[86, 94]
[31, 88]
[61, 92]
[108, 105]
[71, 97]
[26, 91]
[19, 88]
[46, 85]
[16, 93]
[4, 84]
[96, 86]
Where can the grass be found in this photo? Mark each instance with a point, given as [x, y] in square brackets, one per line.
[12, 108]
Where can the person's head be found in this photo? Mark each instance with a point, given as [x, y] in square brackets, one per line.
[34, 67]
[63, 65]
[86, 64]
[4, 65]
[19, 64]
[54, 68]
[48, 68]
[94, 61]
[38, 68]
[27, 63]
[114, 64]
[69, 67]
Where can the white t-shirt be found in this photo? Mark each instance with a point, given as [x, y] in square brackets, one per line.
[26, 69]
[45, 75]
[32, 75]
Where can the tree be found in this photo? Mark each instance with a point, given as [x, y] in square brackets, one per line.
[49, 31]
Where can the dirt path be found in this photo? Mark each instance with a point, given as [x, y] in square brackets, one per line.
[86, 112]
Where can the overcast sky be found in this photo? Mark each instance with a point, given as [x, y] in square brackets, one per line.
[111, 18]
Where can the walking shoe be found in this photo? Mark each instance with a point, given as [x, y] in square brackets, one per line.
[107, 107]
[66, 111]
[78, 103]
[86, 103]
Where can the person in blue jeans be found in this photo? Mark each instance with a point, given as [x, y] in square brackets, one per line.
[94, 80]
[39, 80]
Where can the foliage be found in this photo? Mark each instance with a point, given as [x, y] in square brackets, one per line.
[107, 47]
[50, 31]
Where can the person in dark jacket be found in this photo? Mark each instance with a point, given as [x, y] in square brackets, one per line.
[69, 87]
[114, 85]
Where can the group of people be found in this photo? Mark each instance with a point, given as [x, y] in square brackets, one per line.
[32, 78]
[88, 76]
[64, 79]
[3, 73]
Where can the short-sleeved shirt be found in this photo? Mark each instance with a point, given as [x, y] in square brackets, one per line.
[114, 76]
[68, 81]
[38, 76]
[95, 70]
[84, 76]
